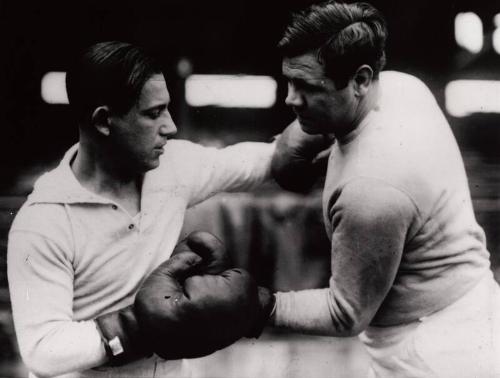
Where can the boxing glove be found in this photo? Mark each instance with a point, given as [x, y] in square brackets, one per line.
[185, 316]
[300, 158]
[124, 339]
[215, 260]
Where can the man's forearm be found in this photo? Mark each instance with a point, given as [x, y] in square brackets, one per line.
[65, 347]
[316, 312]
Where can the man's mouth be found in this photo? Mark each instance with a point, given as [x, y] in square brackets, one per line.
[160, 148]
[303, 119]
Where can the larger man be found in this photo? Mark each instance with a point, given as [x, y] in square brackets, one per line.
[409, 265]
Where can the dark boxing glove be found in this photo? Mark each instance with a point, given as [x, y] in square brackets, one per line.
[123, 338]
[186, 316]
[215, 261]
[209, 248]
[300, 158]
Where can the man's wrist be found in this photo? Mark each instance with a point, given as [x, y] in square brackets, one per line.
[122, 339]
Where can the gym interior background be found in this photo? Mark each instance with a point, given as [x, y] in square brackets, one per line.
[453, 46]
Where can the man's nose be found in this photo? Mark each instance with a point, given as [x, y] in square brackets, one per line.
[168, 127]
[293, 97]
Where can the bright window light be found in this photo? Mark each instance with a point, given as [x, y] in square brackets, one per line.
[496, 33]
[54, 88]
[465, 97]
[469, 31]
[231, 91]
[496, 40]
[496, 20]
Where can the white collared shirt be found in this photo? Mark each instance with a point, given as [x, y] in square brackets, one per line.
[74, 255]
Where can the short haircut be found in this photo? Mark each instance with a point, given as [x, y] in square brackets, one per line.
[345, 36]
[108, 73]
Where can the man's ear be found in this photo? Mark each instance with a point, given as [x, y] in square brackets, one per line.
[100, 120]
[362, 80]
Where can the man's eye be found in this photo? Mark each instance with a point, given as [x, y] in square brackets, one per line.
[310, 87]
[303, 86]
[154, 113]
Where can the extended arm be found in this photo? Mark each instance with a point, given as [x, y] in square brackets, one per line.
[370, 222]
[239, 167]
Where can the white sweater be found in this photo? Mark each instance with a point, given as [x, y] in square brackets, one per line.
[398, 212]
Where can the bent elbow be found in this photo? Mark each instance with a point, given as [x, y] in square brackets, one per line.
[348, 320]
[43, 363]
[356, 329]
[40, 370]
[351, 330]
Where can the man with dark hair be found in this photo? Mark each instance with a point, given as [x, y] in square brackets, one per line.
[343, 36]
[409, 265]
[109, 216]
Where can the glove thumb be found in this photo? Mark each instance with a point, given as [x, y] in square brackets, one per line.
[179, 266]
[207, 246]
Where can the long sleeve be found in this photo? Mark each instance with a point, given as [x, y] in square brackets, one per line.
[370, 222]
[240, 167]
[41, 289]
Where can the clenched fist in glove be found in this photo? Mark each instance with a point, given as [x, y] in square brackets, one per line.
[190, 306]
[215, 260]
[212, 251]
[186, 314]
[300, 158]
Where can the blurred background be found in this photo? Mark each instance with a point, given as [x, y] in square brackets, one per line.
[223, 74]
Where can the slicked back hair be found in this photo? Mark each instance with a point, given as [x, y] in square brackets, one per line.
[345, 36]
[108, 73]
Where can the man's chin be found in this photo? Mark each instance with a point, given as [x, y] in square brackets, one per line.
[309, 128]
[151, 164]
[155, 164]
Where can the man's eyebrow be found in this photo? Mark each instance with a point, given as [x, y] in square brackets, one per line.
[155, 107]
[306, 82]
[294, 78]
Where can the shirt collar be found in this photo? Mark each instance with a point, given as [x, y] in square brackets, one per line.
[61, 186]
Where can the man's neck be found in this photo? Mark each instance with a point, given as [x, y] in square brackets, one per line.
[368, 103]
[364, 108]
[106, 178]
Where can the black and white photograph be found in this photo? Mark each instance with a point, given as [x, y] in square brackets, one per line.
[250, 189]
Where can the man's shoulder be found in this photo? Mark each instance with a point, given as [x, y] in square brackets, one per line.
[182, 146]
[40, 229]
[180, 151]
[404, 88]
[388, 78]
[42, 218]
